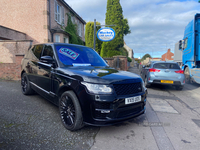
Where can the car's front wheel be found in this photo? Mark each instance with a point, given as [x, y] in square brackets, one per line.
[70, 111]
[25, 85]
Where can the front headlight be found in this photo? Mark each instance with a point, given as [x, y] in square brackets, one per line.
[98, 88]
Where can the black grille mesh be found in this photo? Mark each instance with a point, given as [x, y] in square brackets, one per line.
[102, 105]
[126, 89]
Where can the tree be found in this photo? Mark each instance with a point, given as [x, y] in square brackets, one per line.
[146, 56]
[114, 17]
[89, 36]
[72, 30]
[126, 27]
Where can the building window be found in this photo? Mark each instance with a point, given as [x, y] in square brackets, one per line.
[57, 38]
[59, 13]
[62, 15]
[66, 40]
[80, 29]
[73, 19]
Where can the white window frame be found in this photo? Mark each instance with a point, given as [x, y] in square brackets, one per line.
[55, 10]
[66, 40]
[80, 29]
[62, 15]
[59, 13]
[73, 19]
[57, 38]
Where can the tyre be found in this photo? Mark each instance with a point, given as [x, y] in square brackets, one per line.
[187, 75]
[25, 85]
[179, 87]
[146, 83]
[70, 111]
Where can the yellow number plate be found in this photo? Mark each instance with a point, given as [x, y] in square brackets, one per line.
[166, 81]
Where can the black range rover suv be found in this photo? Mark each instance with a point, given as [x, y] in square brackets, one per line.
[82, 85]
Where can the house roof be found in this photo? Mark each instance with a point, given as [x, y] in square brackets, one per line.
[58, 29]
[65, 4]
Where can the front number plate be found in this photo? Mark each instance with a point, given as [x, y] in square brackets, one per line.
[132, 100]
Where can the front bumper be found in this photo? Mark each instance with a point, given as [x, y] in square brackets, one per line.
[109, 110]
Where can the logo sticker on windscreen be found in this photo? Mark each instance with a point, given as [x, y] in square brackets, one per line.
[69, 53]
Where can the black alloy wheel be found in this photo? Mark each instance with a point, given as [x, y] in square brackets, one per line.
[70, 111]
[25, 85]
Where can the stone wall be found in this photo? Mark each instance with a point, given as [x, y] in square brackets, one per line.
[11, 71]
[10, 48]
[118, 62]
[11, 54]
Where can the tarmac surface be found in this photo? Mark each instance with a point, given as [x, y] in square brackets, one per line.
[171, 122]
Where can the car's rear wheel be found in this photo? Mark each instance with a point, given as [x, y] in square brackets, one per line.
[187, 75]
[70, 111]
[146, 83]
[25, 85]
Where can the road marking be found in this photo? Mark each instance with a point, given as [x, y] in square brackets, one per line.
[161, 106]
[197, 122]
[160, 136]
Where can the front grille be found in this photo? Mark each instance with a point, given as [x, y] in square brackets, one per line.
[126, 89]
[99, 115]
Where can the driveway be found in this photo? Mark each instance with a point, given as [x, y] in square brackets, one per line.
[31, 122]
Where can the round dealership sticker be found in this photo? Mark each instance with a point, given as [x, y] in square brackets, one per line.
[106, 34]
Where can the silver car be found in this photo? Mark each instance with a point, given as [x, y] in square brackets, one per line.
[163, 72]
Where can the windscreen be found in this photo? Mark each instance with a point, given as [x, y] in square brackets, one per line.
[166, 66]
[72, 55]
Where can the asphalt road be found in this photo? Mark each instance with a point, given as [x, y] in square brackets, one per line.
[31, 122]
[172, 121]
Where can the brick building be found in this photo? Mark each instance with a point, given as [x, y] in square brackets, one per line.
[168, 56]
[26, 22]
[40, 20]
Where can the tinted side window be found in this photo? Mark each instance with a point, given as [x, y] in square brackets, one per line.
[48, 51]
[38, 50]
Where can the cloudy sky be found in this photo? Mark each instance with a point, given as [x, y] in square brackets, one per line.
[156, 25]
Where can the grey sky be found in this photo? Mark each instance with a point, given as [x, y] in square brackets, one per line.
[156, 25]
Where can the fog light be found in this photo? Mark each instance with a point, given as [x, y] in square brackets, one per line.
[105, 111]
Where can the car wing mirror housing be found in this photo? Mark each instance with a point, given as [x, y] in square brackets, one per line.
[48, 60]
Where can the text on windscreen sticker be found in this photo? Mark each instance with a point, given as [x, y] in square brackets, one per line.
[69, 53]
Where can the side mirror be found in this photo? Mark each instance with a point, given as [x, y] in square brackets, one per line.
[47, 59]
[181, 45]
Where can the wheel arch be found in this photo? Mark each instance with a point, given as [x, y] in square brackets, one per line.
[67, 88]
[22, 72]
[186, 66]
